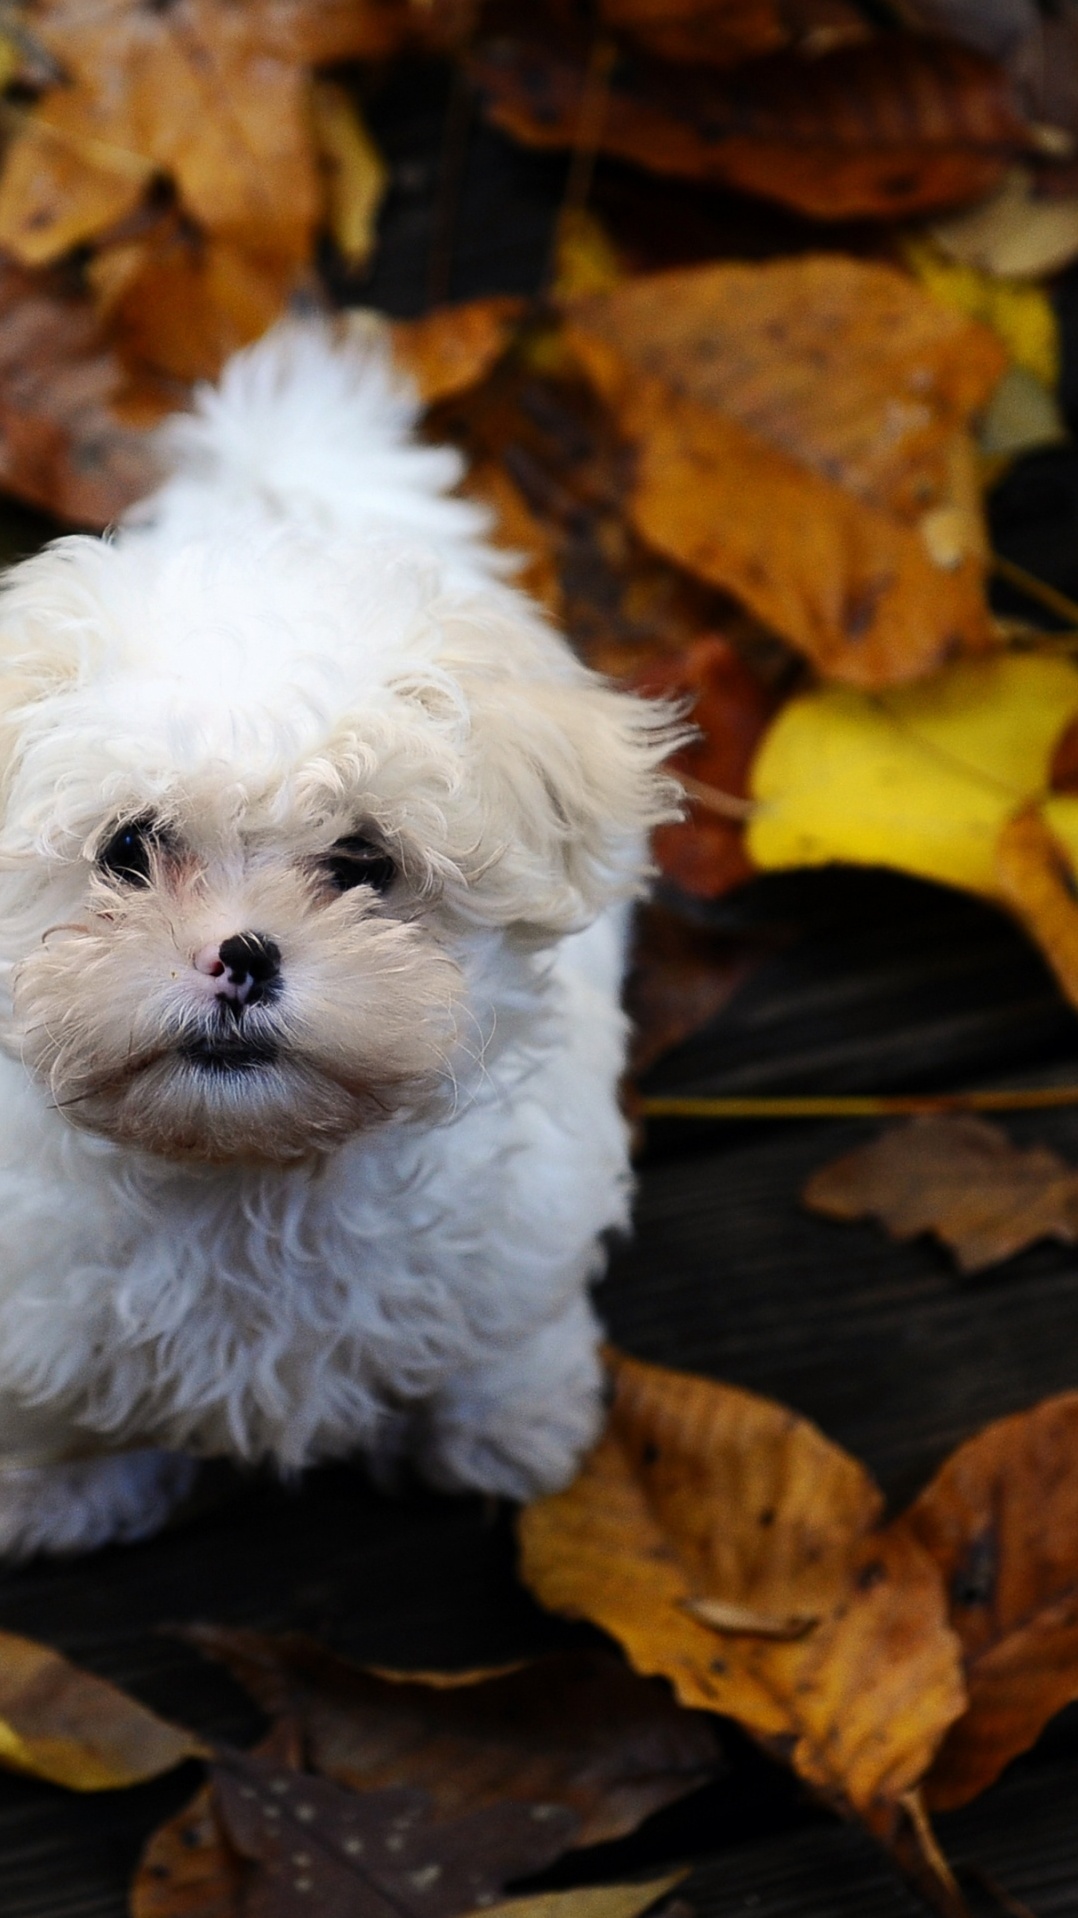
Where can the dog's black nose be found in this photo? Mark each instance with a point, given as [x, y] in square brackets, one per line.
[252, 959]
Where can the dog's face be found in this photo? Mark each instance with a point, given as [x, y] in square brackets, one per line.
[280, 825]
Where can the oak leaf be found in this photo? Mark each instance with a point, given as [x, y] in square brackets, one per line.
[959, 1178]
[800, 437]
[576, 1729]
[700, 1491]
[1001, 1521]
[897, 125]
[66, 1725]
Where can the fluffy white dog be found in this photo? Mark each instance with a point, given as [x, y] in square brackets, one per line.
[314, 842]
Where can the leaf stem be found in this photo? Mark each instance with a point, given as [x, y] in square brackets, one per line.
[854, 1105]
[1037, 589]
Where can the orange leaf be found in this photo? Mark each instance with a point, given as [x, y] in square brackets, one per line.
[1001, 1520]
[188, 1869]
[800, 435]
[959, 1178]
[726, 32]
[453, 348]
[701, 1491]
[899, 125]
[187, 301]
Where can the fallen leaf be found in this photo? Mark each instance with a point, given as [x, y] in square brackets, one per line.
[1001, 1521]
[591, 1901]
[373, 1854]
[1022, 316]
[705, 852]
[536, 422]
[453, 348]
[575, 1729]
[823, 396]
[63, 1724]
[959, 1178]
[727, 32]
[214, 97]
[189, 301]
[1022, 414]
[188, 1869]
[700, 1491]
[923, 778]
[517, 530]
[1017, 233]
[73, 434]
[897, 125]
[356, 176]
[1036, 873]
[586, 259]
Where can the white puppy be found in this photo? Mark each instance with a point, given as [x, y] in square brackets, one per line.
[313, 841]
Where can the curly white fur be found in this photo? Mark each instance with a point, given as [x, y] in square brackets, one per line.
[377, 1231]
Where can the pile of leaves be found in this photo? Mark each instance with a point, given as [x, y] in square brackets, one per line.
[797, 323]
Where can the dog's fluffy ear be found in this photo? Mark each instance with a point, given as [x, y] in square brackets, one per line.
[571, 782]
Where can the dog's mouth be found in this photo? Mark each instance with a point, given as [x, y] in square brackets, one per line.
[228, 1053]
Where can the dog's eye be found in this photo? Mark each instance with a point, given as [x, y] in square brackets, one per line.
[127, 855]
[356, 862]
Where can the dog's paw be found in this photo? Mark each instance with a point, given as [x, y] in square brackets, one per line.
[520, 1428]
[79, 1504]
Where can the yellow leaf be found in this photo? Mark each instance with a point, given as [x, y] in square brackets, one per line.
[355, 173]
[586, 259]
[1019, 314]
[74, 1729]
[923, 777]
[589, 1901]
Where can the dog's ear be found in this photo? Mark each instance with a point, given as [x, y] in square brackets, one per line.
[569, 771]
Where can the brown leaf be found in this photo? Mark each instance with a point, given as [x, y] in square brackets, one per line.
[214, 97]
[726, 32]
[72, 426]
[731, 708]
[959, 1178]
[537, 422]
[1001, 1520]
[187, 301]
[701, 1491]
[1063, 777]
[896, 126]
[373, 1854]
[519, 531]
[824, 397]
[1036, 878]
[188, 1868]
[453, 348]
[575, 1729]
[66, 1725]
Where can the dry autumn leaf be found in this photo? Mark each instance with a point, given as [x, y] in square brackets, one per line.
[576, 1729]
[959, 1178]
[73, 434]
[701, 1492]
[1035, 869]
[454, 347]
[726, 32]
[1001, 1521]
[923, 778]
[800, 435]
[72, 1728]
[894, 126]
[373, 1854]
[681, 977]
[731, 708]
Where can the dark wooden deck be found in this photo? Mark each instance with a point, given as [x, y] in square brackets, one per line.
[875, 983]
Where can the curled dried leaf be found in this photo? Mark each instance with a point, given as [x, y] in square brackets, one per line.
[72, 1728]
